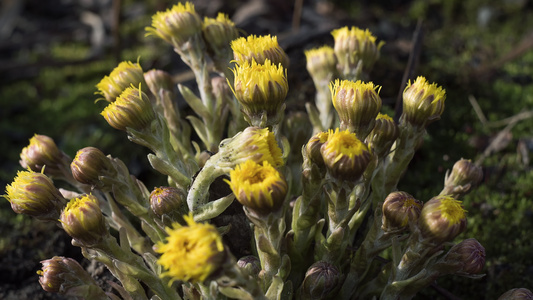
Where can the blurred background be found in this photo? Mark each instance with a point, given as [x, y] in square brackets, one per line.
[54, 52]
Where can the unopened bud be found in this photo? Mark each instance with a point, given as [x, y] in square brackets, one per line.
[399, 210]
[517, 294]
[42, 151]
[321, 281]
[250, 264]
[89, 165]
[468, 256]
[169, 201]
[383, 135]
[465, 175]
[66, 276]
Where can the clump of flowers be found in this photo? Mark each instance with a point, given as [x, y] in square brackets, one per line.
[304, 223]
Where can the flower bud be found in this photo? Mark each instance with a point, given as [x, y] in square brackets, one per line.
[322, 281]
[122, 77]
[517, 294]
[261, 89]
[383, 135]
[176, 25]
[82, 219]
[257, 144]
[259, 187]
[250, 264]
[442, 219]
[168, 201]
[191, 253]
[345, 156]
[464, 176]
[42, 151]
[158, 80]
[468, 255]
[321, 63]
[89, 165]
[313, 148]
[357, 104]
[399, 210]
[66, 276]
[355, 49]
[259, 49]
[423, 103]
[132, 109]
[34, 194]
[218, 33]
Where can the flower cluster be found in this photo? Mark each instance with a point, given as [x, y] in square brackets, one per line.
[308, 222]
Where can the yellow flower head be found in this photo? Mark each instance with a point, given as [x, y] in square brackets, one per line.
[257, 144]
[260, 88]
[132, 109]
[357, 104]
[423, 102]
[345, 156]
[354, 45]
[383, 135]
[399, 210]
[321, 63]
[82, 219]
[123, 76]
[442, 219]
[34, 194]
[42, 151]
[176, 25]
[191, 253]
[259, 48]
[218, 33]
[259, 187]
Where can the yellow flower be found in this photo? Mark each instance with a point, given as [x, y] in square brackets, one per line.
[218, 33]
[123, 76]
[176, 25]
[357, 104]
[191, 253]
[34, 194]
[423, 103]
[442, 219]
[42, 151]
[260, 88]
[321, 63]
[132, 109]
[353, 46]
[259, 48]
[257, 144]
[82, 219]
[259, 187]
[345, 156]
